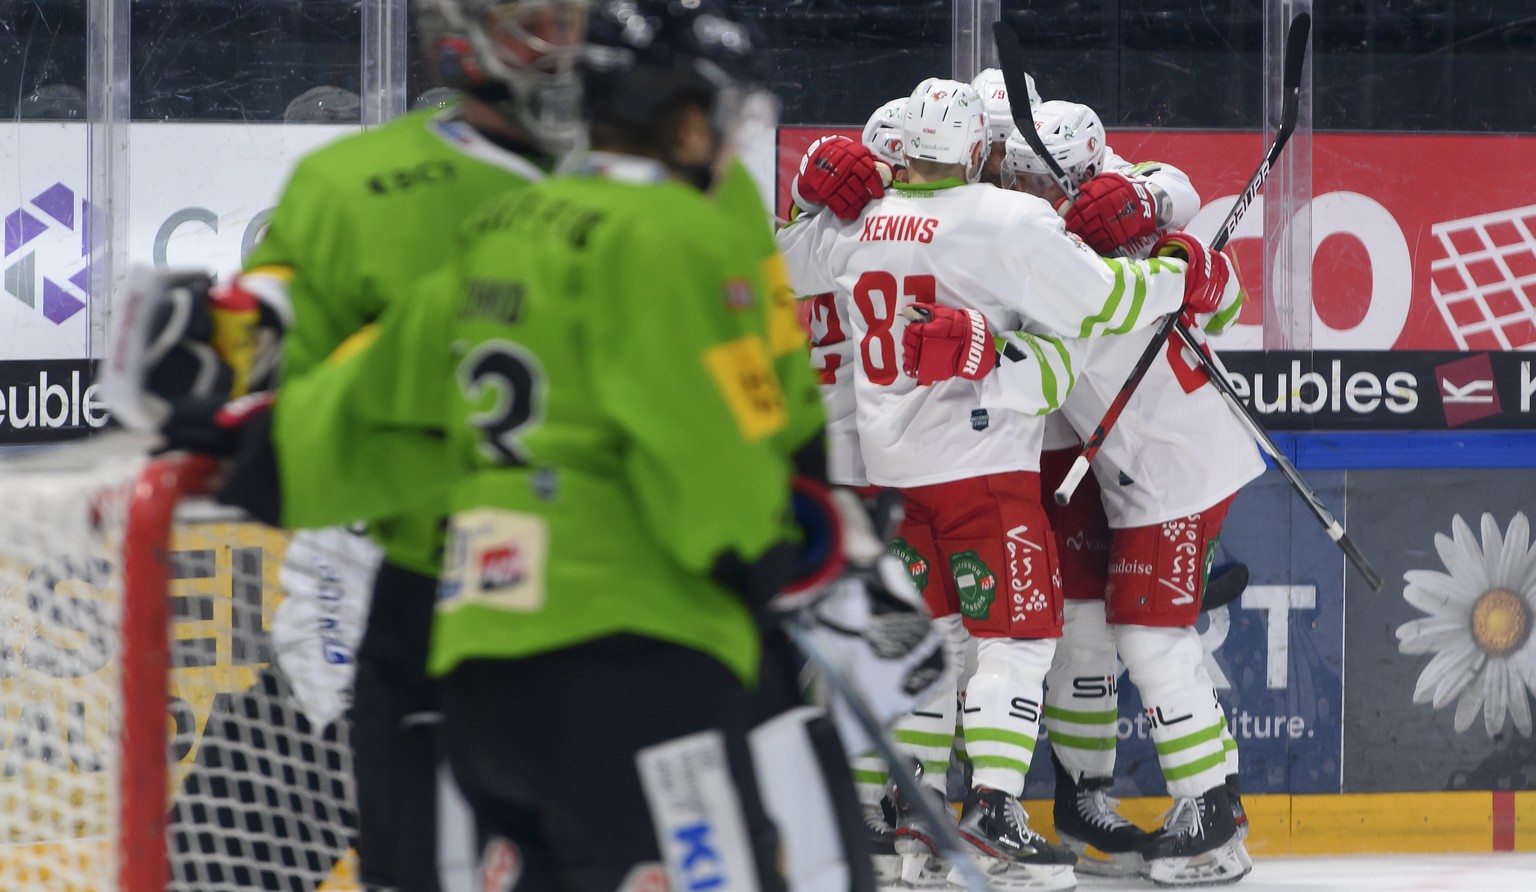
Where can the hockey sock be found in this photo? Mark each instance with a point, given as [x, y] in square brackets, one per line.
[1227, 740]
[1003, 709]
[1082, 694]
[928, 733]
[1186, 721]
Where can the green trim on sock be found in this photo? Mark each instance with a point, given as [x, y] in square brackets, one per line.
[974, 736]
[929, 739]
[1195, 767]
[867, 776]
[1073, 742]
[1178, 744]
[1081, 717]
[1000, 762]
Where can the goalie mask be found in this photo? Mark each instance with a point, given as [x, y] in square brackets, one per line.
[944, 123]
[882, 133]
[520, 57]
[646, 60]
[1074, 136]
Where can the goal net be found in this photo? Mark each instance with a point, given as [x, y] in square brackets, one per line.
[148, 740]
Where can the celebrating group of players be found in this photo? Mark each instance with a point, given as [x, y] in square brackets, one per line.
[971, 324]
[573, 406]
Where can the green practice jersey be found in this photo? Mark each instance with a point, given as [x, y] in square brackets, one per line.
[602, 357]
[359, 223]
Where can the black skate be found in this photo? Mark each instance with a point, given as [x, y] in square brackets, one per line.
[1106, 844]
[880, 821]
[1239, 817]
[922, 863]
[1198, 844]
[1010, 854]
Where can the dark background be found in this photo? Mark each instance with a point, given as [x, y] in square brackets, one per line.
[1378, 65]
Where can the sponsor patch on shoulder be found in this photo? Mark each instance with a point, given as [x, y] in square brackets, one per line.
[739, 295]
[745, 377]
[980, 419]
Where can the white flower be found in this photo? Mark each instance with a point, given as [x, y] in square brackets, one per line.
[1479, 624]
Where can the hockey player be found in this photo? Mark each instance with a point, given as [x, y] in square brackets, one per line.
[965, 457]
[989, 85]
[591, 381]
[359, 222]
[1161, 506]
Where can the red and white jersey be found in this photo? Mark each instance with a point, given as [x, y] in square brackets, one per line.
[1176, 448]
[1002, 253]
[832, 355]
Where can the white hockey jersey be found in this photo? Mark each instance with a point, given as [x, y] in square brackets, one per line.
[1002, 253]
[1176, 448]
[832, 353]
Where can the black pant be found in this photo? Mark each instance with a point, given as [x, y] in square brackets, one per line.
[395, 749]
[544, 749]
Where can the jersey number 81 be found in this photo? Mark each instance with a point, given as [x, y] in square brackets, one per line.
[876, 295]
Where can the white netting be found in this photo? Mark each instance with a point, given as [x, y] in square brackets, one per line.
[59, 614]
[1485, 285]
[260, 798]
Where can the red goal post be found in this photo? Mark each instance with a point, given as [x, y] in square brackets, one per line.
[148, 739]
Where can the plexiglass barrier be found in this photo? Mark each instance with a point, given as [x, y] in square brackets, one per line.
[1391, 262]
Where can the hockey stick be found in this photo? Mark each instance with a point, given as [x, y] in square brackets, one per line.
[1010, 59]
[944, 832]
[1295, 55]
[1334, 529]
[1223, 588]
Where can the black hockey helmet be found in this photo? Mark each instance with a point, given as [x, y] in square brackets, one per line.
[646, 57]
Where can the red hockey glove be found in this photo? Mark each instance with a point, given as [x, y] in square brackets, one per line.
[841, 175]
[1206, 278]
[1112, 210]
[943, 343]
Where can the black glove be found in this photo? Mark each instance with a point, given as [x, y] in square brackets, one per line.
[181, 344]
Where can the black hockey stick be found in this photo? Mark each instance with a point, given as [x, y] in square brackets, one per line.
[1010, 59]
[1223, 588]
[1295, 55]
[944, 832]
[1334, 529]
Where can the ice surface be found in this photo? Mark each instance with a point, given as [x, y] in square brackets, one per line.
[1485, 872]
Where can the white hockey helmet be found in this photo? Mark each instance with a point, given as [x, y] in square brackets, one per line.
[989, 85]
[882, 133]
[943, 122]
[1072, 133]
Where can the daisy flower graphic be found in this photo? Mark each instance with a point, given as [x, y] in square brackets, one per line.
[1479, 624]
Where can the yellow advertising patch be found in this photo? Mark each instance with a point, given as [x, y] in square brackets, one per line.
[784, 332]
[746, 379]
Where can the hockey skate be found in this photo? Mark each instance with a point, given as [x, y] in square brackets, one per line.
[1240, 818]
[880, 820]
[1198, 844]
[1009, 853]
[922, 861]
[1105, 843]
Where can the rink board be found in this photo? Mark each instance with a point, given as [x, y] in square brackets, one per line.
[1339, 824]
